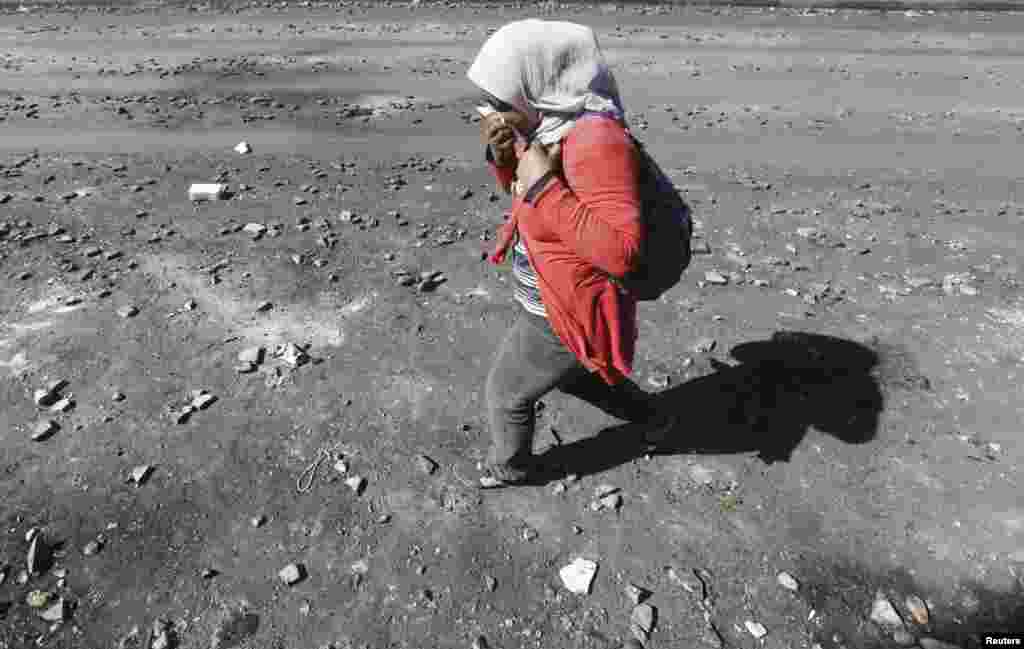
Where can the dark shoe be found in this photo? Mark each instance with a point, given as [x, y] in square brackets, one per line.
[496, 476]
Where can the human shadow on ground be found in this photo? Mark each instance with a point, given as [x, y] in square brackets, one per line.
[766, 403]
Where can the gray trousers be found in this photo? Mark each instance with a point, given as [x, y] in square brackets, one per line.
[531, 362]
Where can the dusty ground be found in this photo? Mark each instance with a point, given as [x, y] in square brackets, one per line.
[855, 177]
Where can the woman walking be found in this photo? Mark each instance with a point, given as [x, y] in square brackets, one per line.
[557, 140]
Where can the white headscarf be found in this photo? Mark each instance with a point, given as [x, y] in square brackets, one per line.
[551, 71]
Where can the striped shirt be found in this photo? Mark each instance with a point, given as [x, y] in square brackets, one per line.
[526, 291]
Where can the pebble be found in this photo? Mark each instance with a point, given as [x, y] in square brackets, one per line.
[64, 405]
[37, 599]
[425, 464]
[883, 612]
[182, 416]
[43, 429]
[299, 200]
[203, 401]
[578, 576]
[718, 279]
[44, 397]
[141, 473]
[787, 581]
[357, 484]
[636, 594]
[642, 619]
[129, 311]
[55, 613]
[264, 306]
[258, 521]
[291, 574]
[255, 229]
[704, 345]
[756, 629]
[293, 355]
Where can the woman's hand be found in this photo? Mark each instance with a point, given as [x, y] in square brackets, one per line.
[537, 161]
[498, 130]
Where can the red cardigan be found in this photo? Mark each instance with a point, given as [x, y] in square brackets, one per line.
[576, 230]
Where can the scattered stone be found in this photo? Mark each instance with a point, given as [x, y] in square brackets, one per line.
[243, 148]
[425, 464]
[611, 501]
[636, 594]
[92, 548]
[207, 191]
[659, 381]
[293, 355]
[716, 278]
[883, 612]
[45, 397]
[140, 474]
[918, 609]
[43, 429]
[704, 345]
[641, 621]
[292, 574]
[755, 629]
[255, 229]
[203, 401]
[357, 484]
[129, 311]
[787, 581]
[37, 599]
[56, 612]
[64, 405]
[579, 575]
[183, 415]
[264, 306]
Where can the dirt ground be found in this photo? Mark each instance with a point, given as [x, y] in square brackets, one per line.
[855, 424]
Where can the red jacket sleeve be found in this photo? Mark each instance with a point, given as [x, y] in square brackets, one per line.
[596, 210]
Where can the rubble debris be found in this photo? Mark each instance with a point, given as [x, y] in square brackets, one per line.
[787, 581]
[641, 621]
[292, 574]
[883, 612]
[755, 629]
[140, 474]
[207, 191]
[578, 576]
[357, 484]
[43, 429]
[425, 464]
